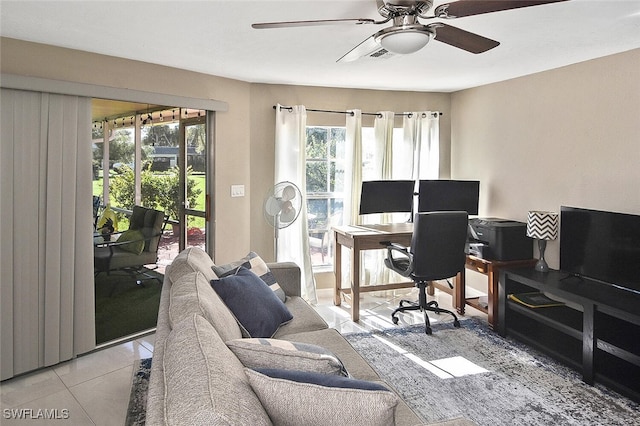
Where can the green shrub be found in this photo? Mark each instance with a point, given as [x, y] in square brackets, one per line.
[158, 191]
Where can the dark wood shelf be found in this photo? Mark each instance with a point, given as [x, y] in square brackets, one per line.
[474, 302]
[597, 332]
[561, 354]
[563, 319]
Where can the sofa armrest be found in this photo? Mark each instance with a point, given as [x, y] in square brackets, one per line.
[288, 276]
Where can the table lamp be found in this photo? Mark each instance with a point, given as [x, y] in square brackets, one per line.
[542, 226]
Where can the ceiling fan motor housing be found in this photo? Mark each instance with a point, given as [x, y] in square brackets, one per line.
[393, 8]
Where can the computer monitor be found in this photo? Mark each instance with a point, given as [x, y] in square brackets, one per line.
[449, 195]
[387, 196]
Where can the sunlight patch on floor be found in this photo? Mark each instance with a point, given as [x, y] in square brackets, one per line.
[458, 366]
[445, 368]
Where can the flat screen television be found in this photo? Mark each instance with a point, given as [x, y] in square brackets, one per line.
[449, 195]
[387, 196]
[601, 245]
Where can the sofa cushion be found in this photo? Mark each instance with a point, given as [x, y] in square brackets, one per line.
[294, 398]
[204, 382]
[191, 259]
[332, 340]
[305, 318]
[136, 245]
[255, 264]
[256, 307]
[275, 353]
[192, 294]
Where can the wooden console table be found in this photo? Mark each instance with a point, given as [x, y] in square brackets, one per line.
[369, 237]
[490, 268]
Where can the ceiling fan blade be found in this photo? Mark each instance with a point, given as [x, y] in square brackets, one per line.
[365, 48]
[290, 24]
[463, 8]
[462, 39]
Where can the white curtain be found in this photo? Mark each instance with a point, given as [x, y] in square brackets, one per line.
[353, 167]
[415, 156]
[46, 287]
[290, 165]
[352, 180]
[382, 159]
[422, 131]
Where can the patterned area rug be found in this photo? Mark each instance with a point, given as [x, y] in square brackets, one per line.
[136, 413]
[472, 372]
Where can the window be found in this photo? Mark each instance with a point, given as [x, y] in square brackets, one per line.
[325, 151]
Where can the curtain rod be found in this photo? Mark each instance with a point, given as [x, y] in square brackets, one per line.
[377, 114]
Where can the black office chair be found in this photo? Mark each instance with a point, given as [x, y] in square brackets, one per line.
[437, 252]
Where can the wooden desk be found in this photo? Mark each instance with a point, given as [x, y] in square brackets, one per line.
[359, 238]
[369, 237]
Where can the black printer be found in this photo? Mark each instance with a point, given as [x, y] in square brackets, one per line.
[499, 239]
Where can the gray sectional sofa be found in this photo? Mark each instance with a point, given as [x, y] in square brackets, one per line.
[200, 371]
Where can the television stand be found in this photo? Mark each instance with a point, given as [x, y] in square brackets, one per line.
[596, 332]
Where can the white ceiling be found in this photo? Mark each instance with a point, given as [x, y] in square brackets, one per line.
[215, 37]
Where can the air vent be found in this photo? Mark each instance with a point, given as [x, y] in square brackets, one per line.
[380, 53]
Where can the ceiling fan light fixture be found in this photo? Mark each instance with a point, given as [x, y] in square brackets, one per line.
[405, 41]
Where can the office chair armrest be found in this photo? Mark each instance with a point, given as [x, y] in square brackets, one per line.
[403, 265]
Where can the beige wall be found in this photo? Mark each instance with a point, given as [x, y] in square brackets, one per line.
[569, 136]
[244, 134]
[231, 133]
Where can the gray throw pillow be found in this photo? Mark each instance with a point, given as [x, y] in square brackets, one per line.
[256, 307]
[296, 398]
[255, 264]
[275, 353]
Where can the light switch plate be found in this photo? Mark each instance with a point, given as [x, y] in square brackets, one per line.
[237, 190]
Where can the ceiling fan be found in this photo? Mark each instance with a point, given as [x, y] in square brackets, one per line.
[407, 35]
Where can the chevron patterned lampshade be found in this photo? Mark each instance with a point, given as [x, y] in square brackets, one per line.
[542, 225]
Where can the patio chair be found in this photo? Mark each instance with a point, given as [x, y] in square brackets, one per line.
[134, 248]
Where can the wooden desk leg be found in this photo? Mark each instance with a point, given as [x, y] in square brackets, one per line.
[492, 297]
[458, 293]
[337, 270]
[355, 283]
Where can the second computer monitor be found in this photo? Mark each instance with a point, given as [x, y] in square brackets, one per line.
[386, 196]
[449, 195]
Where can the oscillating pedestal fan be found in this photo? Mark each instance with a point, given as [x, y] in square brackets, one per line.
[281, 208]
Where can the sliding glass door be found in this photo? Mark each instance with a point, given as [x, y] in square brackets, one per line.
[158, 158]
[194, 186]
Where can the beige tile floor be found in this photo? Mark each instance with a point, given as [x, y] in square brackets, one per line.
[93, 389]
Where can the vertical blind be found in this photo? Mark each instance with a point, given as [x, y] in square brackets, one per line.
[46, 288]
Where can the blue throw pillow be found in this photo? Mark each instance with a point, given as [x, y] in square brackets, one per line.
[255, 264]
[256, 307]
[320, 379]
